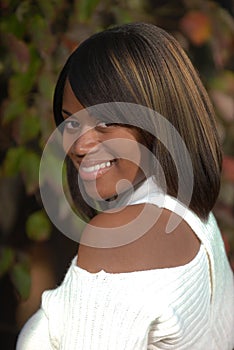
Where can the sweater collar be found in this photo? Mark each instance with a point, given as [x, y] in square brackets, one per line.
[146, 191]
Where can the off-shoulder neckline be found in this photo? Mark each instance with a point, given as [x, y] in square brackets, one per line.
[200, 254]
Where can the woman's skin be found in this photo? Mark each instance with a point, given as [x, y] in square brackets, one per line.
[112, 147]
[102, 164]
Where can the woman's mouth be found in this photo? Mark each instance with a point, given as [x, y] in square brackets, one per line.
[91, 172]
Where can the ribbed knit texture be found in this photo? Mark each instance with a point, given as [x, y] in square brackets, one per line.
[187, 307]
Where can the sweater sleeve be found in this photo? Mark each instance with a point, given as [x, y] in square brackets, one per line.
[35, 333]
[185, 320]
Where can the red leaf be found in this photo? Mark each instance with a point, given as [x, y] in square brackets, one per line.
[20, 51]
[228, 168]
[70, 44]
[226, 243]
[197, 26]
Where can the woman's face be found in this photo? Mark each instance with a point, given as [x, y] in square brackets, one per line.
[107, 157]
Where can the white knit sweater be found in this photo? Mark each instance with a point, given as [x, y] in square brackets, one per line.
[187, 307]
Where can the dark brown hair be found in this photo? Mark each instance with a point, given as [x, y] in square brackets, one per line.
[142, 64]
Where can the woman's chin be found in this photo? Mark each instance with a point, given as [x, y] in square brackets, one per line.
[96, 194]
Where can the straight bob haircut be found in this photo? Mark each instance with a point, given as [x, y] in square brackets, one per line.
[142, 64]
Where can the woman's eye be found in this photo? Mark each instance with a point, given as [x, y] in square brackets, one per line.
[72, 125]
[105, 124]
[102, 124]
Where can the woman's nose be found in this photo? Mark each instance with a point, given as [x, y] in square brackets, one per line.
[86, 143]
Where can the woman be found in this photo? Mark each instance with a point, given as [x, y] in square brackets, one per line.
[135, 286]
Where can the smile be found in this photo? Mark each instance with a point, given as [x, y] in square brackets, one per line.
[96, 167]
[93, 171]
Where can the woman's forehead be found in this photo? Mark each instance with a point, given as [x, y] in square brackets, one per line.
[70, 102]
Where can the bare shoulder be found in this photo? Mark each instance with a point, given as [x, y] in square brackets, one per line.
[152, 249]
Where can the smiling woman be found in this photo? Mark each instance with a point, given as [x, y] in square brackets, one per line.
[139, 133]
[101, 164]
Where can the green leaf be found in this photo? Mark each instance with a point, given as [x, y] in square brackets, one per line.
[26, 162]
[28, 127]
[19, 86]
[41, 35]
[13, 160]
[47, 8]
[86, 8]
[46, 85]
[14, 109]
[20, 276]
[224, 81]
[50, 170]
[21, 83]
[38, 226]
[29, 167]
[11, 24]
[6, 260]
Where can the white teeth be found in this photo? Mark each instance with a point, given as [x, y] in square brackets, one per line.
[96, 167]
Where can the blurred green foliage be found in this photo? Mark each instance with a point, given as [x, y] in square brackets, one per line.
[36, 38]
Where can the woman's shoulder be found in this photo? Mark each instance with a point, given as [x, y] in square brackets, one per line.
[138, 240]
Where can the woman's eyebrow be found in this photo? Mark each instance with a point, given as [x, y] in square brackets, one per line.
[66, 112]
